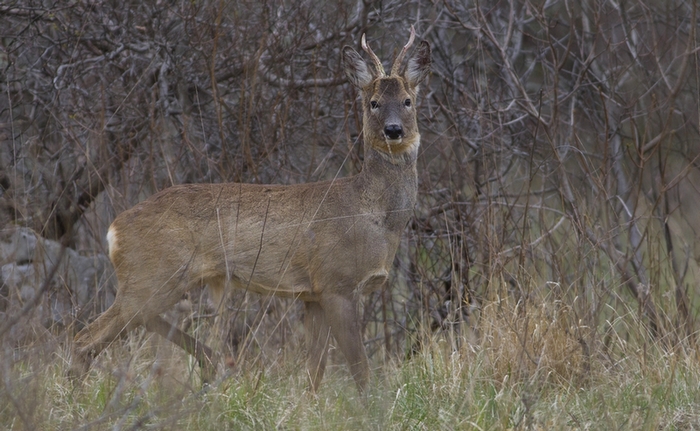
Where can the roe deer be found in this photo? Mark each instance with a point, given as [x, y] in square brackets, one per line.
[324, 243]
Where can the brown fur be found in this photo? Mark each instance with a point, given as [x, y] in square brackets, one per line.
[324, 243]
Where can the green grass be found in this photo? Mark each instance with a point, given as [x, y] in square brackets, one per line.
[523, 371]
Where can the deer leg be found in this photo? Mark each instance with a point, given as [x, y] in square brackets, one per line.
[95, 337]
[203, 354]
[217, 292]
[342, 316]
[317, 335]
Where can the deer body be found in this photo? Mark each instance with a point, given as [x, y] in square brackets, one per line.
[324, 243]
[279, 242]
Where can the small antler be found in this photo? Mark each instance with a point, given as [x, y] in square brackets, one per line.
[399, 59]
[377, 62]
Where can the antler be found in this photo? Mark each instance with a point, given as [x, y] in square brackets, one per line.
[377, 63]
[399, 59]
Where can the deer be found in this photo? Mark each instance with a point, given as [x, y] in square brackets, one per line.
[324, 243]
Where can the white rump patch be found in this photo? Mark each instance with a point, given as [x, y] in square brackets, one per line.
[111, 241]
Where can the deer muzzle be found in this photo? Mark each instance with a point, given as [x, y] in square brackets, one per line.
[393, 132]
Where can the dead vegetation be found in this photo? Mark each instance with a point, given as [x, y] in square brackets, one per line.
[553, 245]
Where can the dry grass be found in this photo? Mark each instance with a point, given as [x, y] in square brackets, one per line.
[525, 368]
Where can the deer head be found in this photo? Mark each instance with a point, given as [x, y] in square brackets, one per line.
[390, 124]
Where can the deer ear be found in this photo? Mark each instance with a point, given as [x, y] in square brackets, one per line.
[418, 65]
[356, 69]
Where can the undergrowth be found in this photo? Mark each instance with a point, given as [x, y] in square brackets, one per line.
[522, 369]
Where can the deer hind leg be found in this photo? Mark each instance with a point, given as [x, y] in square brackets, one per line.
[132, 307]
[95, 337]
[317, 334]
[343, 317]
[202, 353]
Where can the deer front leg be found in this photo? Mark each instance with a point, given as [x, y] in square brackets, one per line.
[342, 316]
[317, 334]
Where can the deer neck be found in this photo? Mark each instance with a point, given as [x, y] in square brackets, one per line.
[391, 179]
[404, 159]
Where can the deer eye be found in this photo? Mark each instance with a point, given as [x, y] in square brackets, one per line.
[407, 103]
[374, 104]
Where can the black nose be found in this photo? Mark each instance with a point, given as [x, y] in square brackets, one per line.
[393, 131]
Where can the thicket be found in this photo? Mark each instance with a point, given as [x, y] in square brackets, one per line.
[558, 201]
